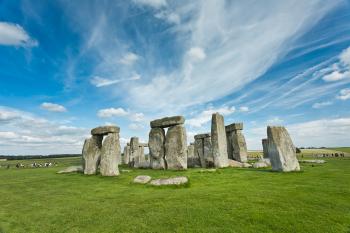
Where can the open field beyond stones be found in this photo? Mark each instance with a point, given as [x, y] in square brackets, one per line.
[317, 199]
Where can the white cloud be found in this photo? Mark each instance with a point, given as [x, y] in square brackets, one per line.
[129, 59]
[244, 109]
[170, 17]
[14, 35]
[53, 107]
[135, 126]
[196, 54]
[345, 57]
[112, 112]
[336, 76]
[344, 94]
[205, 116]
[103, 82]
[322, 104]
[152, 3]
[137, 117]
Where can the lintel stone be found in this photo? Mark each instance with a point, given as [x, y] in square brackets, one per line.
[167, 122]
[104, 130]
[234, 127]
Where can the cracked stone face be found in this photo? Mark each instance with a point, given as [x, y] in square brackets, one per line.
[91, 154]
[176, 148]
[156, 145]
[110, 155]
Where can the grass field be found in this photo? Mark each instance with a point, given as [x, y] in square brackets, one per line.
[229, 200]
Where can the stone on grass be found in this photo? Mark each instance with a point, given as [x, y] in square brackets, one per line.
[142, 179]
[71, 169]
[156, 142]
[219, 141]
[260, 164]
[313, 161]
[234, 163]
[236, 145]
[167, 122]
[170, 181]
[110, 155]
[91, 154]
[208, 170]
[281, 150]
[192, 158]
[176, 148]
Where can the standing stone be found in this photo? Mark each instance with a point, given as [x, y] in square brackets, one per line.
[218, 141]
[203, 150]
[110, 155]
[91, 154]
[192, 158]
[236, 145]
[281, 150]
[126, 154]
[156, 148]
[140, 162]
[176, 148]
[134, 151]
[265, 148]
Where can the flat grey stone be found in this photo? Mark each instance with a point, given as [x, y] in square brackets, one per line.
[260, 164]
[71, 169]
[142, 179]
[313, 161]
[234, 127]
[104, 130]
[170, 181]
[203, 135]
[167, 122]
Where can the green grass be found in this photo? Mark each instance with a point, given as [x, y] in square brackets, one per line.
[342, 149]
[229, 200]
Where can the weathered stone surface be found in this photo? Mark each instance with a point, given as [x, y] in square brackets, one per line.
[156, 148]
[238, 146]
[110, 155]
[260, 164]
[201, 136]
[126, 154]
[176, 148]
[170, 181]
[234, 163]
[104, 130]
[265, 147]
[218, 141]
[281, 150]
[234, 127]
[167, 122]
[91, 154]
[192, 158]
[140, 160]
[313, 161]
[142, 179]
[71, 169]
[134, 151]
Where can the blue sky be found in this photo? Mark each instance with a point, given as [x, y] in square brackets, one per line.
[68, 66]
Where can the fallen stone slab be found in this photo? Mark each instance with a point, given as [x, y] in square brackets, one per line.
[71, 169]
[125, 170]
[260, 164]
[208, 170]
[170, 181]
[234, 127]
[104, 130]
[313, 161]
[167, 122]
[234, 163]
[142, 179]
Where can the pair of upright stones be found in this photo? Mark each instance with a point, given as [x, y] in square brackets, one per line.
[136, 153]
[168, 151]
[279, 148]
[104, 154]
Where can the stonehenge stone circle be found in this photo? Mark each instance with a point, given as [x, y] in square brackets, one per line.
[219, 141]
[281, 150]
[176, 148]
[126, 154]
[91, 154]
[168, 151]
[236, 145]
[110, 155]
[265, 147]
[156, 148]
[170, 181]
[134, 150]
[203, 150]
[106, 155]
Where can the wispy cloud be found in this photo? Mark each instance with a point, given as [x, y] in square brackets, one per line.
[205, 116]
[322, 104]
[151, 3]
[112, 112]
[344, 94]
[102, 82]
[14, 35]
[129, 58]
[52, 107]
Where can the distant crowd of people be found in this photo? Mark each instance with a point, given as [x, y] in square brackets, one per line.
[32, 165]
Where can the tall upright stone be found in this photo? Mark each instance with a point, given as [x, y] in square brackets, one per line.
[203, 150]
[265, 148]
[176, 148]
[91, 154]
[140, 161]
[219, 141]
[192, 159]
[236, 145]
[110, 155]
[126, 154]
[134, 151]
[156, 148]
[281, 150]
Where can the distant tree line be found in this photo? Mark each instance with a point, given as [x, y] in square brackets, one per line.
[23, 157]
